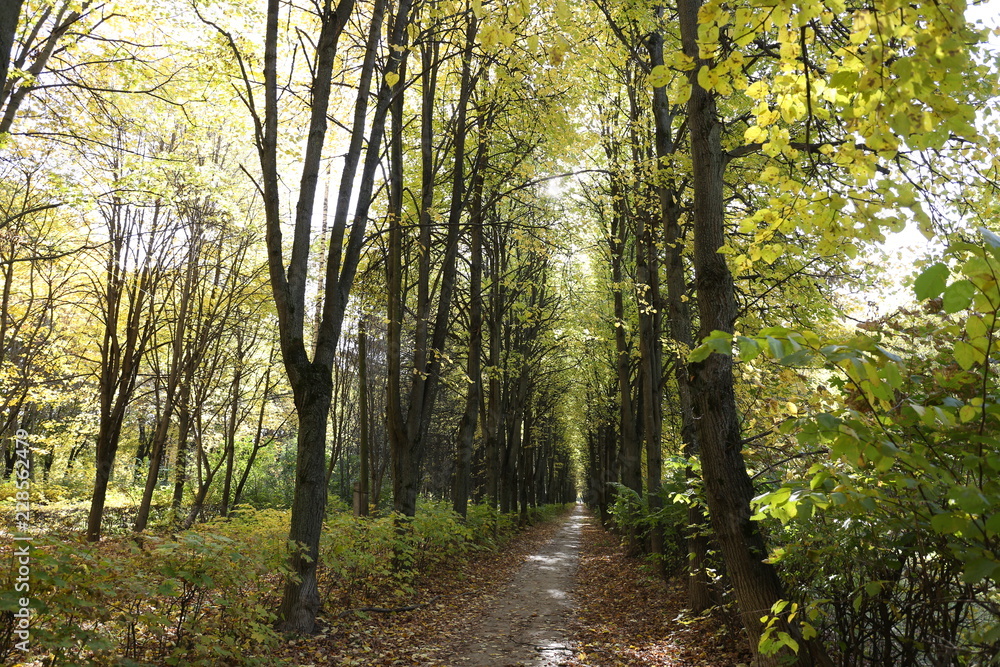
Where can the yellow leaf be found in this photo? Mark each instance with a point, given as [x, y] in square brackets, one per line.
[705, 78]
[391, 79]
[755, 134]
[757, 90]
[684, 93]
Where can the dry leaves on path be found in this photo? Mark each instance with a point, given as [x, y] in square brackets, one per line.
[627, 617]
[457, 599]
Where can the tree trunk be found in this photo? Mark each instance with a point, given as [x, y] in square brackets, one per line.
[727, 485]
[474, 364]
[680, 328]
[231, 426]
[364, 435]
[313, 391]
[181, 458]
[107, 447]
[311, 380]
[651, 372]
[10, 11]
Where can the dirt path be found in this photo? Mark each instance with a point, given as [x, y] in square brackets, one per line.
[527, 626]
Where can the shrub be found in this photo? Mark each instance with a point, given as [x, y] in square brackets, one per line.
[894, 539]
[202, 597]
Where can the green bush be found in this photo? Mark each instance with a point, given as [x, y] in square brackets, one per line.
[205, 596]
[894, 538]
[632, 516]
[376, 558]
[202, 597]
[490, 528]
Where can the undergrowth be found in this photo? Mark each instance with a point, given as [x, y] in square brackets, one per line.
[206, 596]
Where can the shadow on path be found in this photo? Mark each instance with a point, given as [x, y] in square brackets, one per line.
[527, 626]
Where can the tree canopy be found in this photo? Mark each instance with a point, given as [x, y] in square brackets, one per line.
[504, 254]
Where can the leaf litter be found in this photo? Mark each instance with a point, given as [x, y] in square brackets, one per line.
[621, 616]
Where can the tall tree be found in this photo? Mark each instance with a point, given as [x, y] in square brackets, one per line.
[408, 429]
[310, 376]
[128, 313]
[10, 12]
[727, 485]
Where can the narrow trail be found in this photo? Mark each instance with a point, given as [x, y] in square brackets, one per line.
[527, 626]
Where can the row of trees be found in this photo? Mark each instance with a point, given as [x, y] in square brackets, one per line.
[762, 150]
[460, 227]
[150, 296]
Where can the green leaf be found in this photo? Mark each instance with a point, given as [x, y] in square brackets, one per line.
[965, 354]
[720, 342]
[749, 348]
[958, 296]
[976, 327]
[797, 358]
[776, 347]
[967, 413]
[993, 524]
[968, 499]
[931, 282]
[890, 373]
[888, 355]
[700, 353]
[947, 523]
[979, 569]
[828, 422]
[717, 341]
[787, 640]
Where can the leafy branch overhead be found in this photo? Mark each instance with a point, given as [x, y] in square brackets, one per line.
[346, 293]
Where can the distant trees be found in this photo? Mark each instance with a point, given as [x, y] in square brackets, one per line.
[746, 152]
[672, 318]
[164, 274]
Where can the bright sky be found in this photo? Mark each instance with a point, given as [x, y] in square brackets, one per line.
[904, 247]
[988, 12]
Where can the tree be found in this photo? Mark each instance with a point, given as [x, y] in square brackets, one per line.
[9, 15]
[813, 125]
[138, 248]
[311, 375]
[408, 427]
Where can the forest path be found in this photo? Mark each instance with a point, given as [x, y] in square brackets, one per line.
[528, 623]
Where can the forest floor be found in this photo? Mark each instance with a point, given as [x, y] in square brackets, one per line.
[561, 594]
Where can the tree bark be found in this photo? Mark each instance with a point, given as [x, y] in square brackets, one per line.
[679, 325]
[631, 464]
[300, 601]
[647, 278]
[727, 485]
[10, 12]
[364, 435]
[474, 364]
